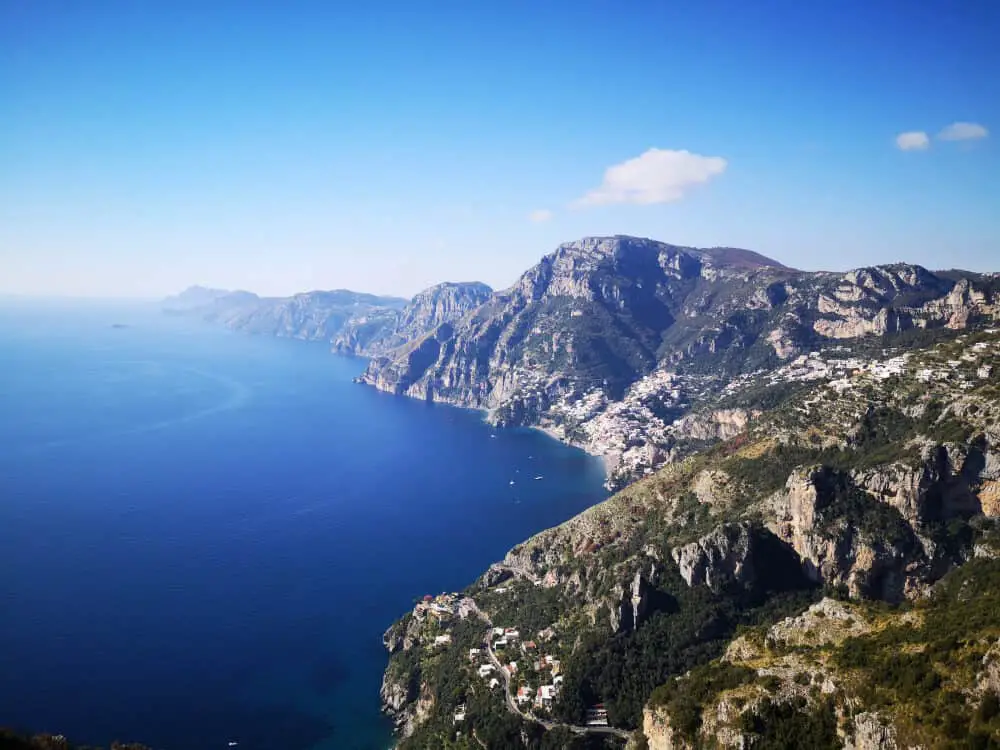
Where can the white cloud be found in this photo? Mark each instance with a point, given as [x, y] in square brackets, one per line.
[540, 215]
[915, 140]
[657, 176]
[963, 131]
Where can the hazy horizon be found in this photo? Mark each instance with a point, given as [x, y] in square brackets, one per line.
[149, 147]
[153, 299]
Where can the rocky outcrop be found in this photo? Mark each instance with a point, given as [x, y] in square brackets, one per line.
[594, 311]
[988, 679]
[593, 342]
[719, 424]
[939, 489]
[495, 575]
[395, 695]
[871, 732]
[724, 556]
[889, 299]
[842, 539]
[439, 304]
[632, 604]
[402, 635]
[407, 705]
[657, 730]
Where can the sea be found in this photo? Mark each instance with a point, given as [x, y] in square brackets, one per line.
[204, 534]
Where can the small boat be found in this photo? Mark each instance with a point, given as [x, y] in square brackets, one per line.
[512, 481]
[539, 477]
[233, 743]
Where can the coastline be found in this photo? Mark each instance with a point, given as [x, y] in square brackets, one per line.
[608, 460]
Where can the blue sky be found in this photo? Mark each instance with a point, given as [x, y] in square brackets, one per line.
[279, 147]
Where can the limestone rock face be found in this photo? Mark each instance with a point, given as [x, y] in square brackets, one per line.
[656, 728]
[408, 709]
[395, 696]
[632, 605]
[989, 678]
[586, 342]
[725, 555]
[871, 733]
[443, 303]
[720, 424]
[884, 562]
[402, 636]
[551, 332]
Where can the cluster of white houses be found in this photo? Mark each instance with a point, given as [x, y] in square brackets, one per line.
[541, 696]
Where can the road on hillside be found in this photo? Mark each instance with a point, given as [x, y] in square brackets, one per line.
[512, 705]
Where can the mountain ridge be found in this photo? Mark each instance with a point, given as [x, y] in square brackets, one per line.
[806, 577]
[604, 316]
[355, 323]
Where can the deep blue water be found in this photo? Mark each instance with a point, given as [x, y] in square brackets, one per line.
[203, 534]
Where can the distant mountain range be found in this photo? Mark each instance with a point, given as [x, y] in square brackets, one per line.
[352, 322]
[610, 342]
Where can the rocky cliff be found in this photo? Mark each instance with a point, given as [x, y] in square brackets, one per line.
[849, 675]
[871, 485]
[609, 340]
[352, 322]
[314, 316]
[440, 304]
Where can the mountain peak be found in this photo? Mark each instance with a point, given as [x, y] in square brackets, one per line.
[470, 287]
[741, 258]
[618, 244]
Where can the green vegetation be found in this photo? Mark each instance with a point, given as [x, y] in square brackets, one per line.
[525, 606]
[918, 666]
[920, 673]
[13, 741]
[792, 725]
[690, 627]
[765, 396]
[684, 697]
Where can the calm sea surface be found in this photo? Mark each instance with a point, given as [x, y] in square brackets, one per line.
[204, 534]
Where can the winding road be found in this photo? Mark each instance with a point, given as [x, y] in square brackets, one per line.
[512, 706]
